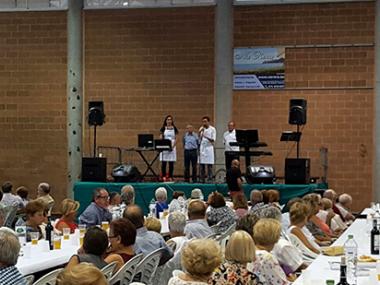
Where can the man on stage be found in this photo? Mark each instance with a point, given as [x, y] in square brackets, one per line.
[190, 145]
[230, 152]
[207, 136]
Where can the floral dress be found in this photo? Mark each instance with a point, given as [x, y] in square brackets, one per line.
[231, 273]
[224, 214]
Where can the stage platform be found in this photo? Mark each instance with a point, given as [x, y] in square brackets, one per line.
[145, 191]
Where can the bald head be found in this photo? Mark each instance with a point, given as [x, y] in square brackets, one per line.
[330, 194]
[135, 215]
[231, 126]
[256, 197]
[197, 210]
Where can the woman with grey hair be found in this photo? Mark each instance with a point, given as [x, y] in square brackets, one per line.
[289, 257]
[161, 200]
[177, 223]
[128, 195]
[9, 251]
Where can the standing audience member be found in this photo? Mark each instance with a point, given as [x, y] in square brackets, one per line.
[83, 274]
[207, 136]
[190, 146]
[146, 241]
[177, 223]
[168, 131]
[97, 212]
[219, 212]
[35, 216]
[178, 203]
[69, 209]
[122, 238]
[234, 180]
[240, 251]
[266, 234]
[240, 205]
[230, 152]
[161, 200]
[199, 259]
[9, 252]
[8, 198]
[128, 195]
[23, 192]
[197, 226]
[95, 244]
[43, 194]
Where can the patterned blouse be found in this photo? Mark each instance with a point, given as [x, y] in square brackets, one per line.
[224, 214]
[267, 267]
[231, 273]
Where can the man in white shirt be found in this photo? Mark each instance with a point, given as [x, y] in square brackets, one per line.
[207, 136]
[8, 198]
[230, 151]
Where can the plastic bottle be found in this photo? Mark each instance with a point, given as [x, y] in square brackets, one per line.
[152, 208]
[351, 252]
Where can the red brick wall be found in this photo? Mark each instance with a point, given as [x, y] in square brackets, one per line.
[33, 100]
[337, 82]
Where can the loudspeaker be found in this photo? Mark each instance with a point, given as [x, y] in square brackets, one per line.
[297, 171]
[260, 174]
[94, 169]
[96, 113]
[126, 173]
[297, 111]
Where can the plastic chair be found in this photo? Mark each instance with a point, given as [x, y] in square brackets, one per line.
[108, 270]
[148, 266]
[215, 228]
[307, 254]
[10, 216]
[48, 279]
[29, 279]
[126, 273]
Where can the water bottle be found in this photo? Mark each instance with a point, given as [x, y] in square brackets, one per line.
[152, 208]
[351, 252]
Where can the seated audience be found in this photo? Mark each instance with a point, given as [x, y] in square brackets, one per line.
[200, 257]
[43, 194]
[197, 226]
[247, 223]
[9, 252]
[299, 213]
[177, 223]
[332, 196]
[128, 195]
[233, 179]
[35, 216]
[153, 224]
[344, 207]
[332, 219]
[240, 205]
[8, 198]
[178, 203]
[289, 257]
[272, 197]
[266, 233]
[285, 219]
[115, 200]
[95, 244]
[83, 274]
[122, 237]
[69, 209]
[146, 241]
[240, 250]
[196, 194]
[219, 212]
[97, 212]
[256, 197]
[161, 201]
[23, 192]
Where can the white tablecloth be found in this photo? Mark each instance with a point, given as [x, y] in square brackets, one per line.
[320, 268]
[40, 260]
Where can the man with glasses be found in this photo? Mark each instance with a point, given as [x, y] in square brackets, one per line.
[97, 212]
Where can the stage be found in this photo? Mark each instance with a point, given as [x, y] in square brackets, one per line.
[145, 191]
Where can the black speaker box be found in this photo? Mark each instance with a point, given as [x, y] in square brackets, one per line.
[94, 169]
[96, 113]
[297, 171]
[297, 111]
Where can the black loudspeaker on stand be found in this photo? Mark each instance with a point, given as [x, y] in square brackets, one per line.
[297, 171]
[96, 117]
[94, 169]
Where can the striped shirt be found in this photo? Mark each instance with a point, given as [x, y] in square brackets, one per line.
[11, 276]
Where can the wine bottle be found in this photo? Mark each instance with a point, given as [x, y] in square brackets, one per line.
[343, 271]
[375, 238]
[49, 233]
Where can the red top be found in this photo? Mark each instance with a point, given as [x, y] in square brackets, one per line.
[71, 225]
[125, 256]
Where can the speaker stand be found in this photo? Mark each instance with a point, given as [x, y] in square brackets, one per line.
[94, 151]
[298, 141]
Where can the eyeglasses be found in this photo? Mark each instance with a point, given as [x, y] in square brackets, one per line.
[103, 197]
[109, 237]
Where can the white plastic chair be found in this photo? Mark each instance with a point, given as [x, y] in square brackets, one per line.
[29, 279]
[10, 216]
[48, 279]
[307, 254]
[126, 273]
[108, 270]
[148, 266]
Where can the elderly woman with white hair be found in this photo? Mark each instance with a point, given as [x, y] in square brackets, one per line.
[9, 251]
[161, 200]
[177, 223]
[128, 195]
[344, 206]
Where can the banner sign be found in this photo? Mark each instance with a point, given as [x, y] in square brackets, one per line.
[259, 68]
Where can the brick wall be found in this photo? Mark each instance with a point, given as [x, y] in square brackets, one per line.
[336, 81]
[32, 100]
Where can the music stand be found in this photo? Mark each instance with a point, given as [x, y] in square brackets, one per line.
[164, 144]
[290, 136]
